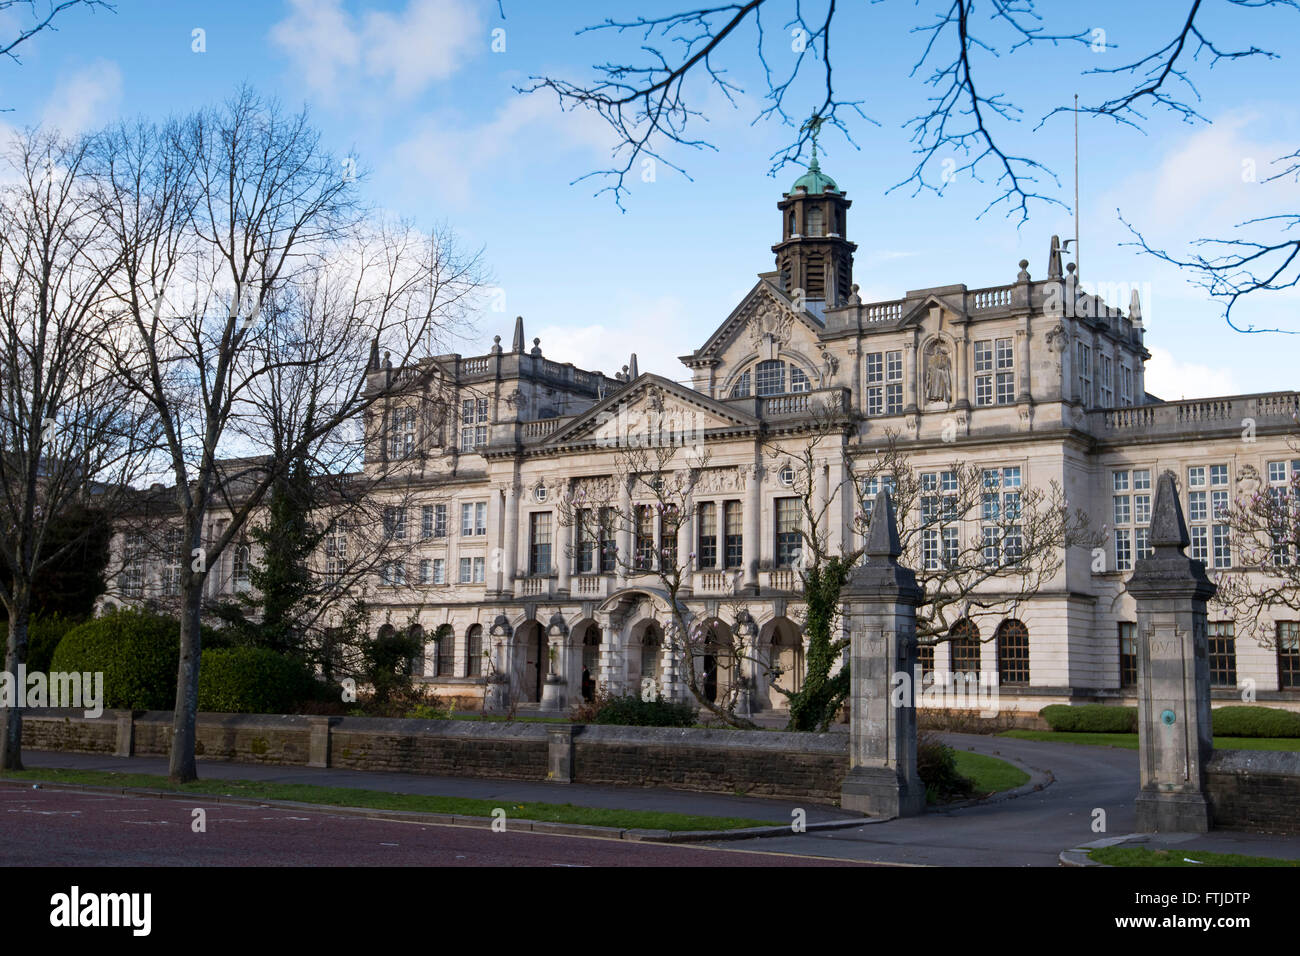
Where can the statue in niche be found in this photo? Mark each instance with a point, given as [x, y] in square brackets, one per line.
[938, 374]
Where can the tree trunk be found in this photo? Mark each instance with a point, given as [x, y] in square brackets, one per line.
[11, 716]
[181, 767]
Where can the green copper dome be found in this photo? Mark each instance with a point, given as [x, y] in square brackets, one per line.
[815, 181]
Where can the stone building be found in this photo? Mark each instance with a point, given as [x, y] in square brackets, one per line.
[1031, 379]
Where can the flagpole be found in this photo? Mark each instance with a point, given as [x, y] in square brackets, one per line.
[1076, 185]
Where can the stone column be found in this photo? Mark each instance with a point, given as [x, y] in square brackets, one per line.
[555, 694]
[1022, 340]
[821, 495]
[961, 343]
[753, 544]
[882, 597]
[912, 371]
[609, 680]
[1174, 736]
[563, 560]
[686, 546]
[509, 555]
[623, 533]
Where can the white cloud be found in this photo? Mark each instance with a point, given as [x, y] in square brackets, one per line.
[85, 98]
[1172, 379]
[336, 52]
[655, 329]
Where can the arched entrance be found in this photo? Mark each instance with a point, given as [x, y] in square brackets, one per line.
[715, 662]
[590, 635]
[531, 638]
[783, 655]
[644, 653]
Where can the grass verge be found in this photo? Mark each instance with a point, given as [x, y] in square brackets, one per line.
[1130, 741]
[1145, 856]
[383, 800]
[989, 774]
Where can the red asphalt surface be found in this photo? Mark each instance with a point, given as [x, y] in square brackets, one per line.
[69, 828]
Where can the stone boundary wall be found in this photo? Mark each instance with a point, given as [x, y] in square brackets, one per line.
[762, 763]
[1254, 790]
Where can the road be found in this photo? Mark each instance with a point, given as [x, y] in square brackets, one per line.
[48, 827]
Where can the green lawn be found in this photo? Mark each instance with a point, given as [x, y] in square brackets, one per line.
[1130, 741]
[1145, 856]
[382, 800]
[989, 774]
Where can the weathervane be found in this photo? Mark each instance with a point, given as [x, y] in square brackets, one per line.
[814, 125]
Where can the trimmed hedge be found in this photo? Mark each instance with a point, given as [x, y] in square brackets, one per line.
[251, 680]
[632, 711]
[1254, 722]
[1091, 718]
[137, 652]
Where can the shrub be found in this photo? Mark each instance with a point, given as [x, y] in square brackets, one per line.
[634, 712]
[427, 712]
[251, 680]
[43, 636]
[936, 764]
[1254, 722]
[1091, 718]
[137, 652]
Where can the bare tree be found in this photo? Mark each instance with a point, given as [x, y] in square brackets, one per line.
[39, 17]
[70, 435]
[218, 216]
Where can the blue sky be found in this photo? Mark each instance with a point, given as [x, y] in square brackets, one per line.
[414, 90]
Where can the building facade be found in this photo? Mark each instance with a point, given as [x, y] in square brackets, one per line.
[1033, 381]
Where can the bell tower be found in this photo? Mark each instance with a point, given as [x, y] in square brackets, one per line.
[813, 254]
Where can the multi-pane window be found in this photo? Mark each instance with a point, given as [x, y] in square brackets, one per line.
[769, 378]
[884, 383]
[939, 548]
[401, 431]
[1207, 513]
[925, 659]
[585, 542]
[392, 573]
[938, 496]
[472, 570]
[645, 538]
[788, 537]
[872, 487]
[243, 559]
[1128, 654]
[707, 551]
[1001, 534]
[1013, 652]
[1083, 359]
[965, 647]
[734, 529]
[539, 542]
[446, 651]
[1288, 654]
[1131, 514]
[473, 519]
[1104, 373]
[171, 572]
[798, 380]
[133, 552]
[1283, 487]
[473, 423]
[995, 374]
[742, 386]
[433, 521]
[474, 651]
[1125, 383]
[426, 571]
[1223, 654]
[336, 553]
[439, 571]
[395, 523]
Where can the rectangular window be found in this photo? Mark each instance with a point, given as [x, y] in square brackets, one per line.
[1084, 361]
[894, 383]
[336, 553]
[584, 538]
[1125, 384]
[473, 423]
[1131, 515]
[426, 571]
[1128, 655]
[433, 521]
[1105, 365]
[707, 551]
[645, 538]
[925, 659]
[1223, 654]
[465, 570]
[788, 538]
[735, 530]
[1222, 546]
[608, 542]
[395, 523]
[884, 382]
[473, 519]
[393, 573]
[1288, 654]
[471, 570]
[539, 543]
[1200, 545]
[439, 571]
[995, 377]
[401, 432]
[133, 552]
[875, 383]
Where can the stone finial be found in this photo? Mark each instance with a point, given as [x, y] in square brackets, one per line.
[632, 372]
[1054, 259]
[1023, 275]
[1168, 529]
[882, 534]
[537, 347]
[1135, 308]
[518, 344]
[496, 345]
[373, 364]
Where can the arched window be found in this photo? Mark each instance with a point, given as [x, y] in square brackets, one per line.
[474, 651]
[769, 378]
[243, 558]
[590, 660]
[1013, 652]
[418, 669]
[651, 645]
[741, 388]
[798, 380]
[965, 647]
[445, 650]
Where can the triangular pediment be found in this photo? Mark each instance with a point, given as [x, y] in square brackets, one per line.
[919, 313]
[765, 310]
[651, 404]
